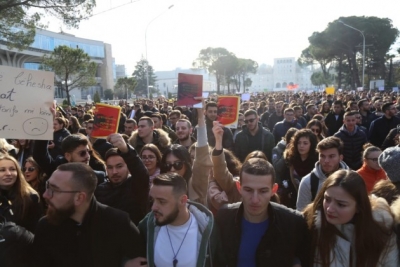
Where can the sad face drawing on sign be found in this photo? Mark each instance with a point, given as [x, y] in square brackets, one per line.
[35, 126]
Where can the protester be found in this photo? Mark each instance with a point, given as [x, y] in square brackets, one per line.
[253, 137]
[151, 158]
[19, 202]
[257, 232]
[339, 219]
[179, 232]
[370, 171]
[78, 230]
[282, 127]
[330, 160]
[121, 190]
[334, 120]
[60, 132]
[301, 156]
[381, 127]
[389, 161]
[353, 140]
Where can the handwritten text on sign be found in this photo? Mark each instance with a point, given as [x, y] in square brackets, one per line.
[25, 100]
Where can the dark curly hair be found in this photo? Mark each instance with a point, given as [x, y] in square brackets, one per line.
[291, 153]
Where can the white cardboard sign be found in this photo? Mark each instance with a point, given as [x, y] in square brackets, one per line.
[25, 100]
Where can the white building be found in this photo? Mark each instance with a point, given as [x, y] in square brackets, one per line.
[285, 72]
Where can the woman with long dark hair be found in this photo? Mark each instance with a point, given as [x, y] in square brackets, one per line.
[348, 228]
[301, 155]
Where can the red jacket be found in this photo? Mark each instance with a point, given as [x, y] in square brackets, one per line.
[371, 177]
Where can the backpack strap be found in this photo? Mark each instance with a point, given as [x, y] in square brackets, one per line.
[314, 185]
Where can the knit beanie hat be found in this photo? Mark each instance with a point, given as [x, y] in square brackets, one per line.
[389, 160]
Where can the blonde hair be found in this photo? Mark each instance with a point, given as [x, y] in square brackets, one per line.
[20, 191]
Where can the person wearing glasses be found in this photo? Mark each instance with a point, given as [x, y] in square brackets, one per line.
[177, 159]
[127, 185]
[316, 127]
[78, 230]
[34, 175]
[253, 137]
[151, 157]
[370, 171]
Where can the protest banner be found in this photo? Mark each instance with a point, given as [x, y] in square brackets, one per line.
[26, 97]
[228, 110]
[189, 87]
[246, 97]
[330, 90]
[106, 120]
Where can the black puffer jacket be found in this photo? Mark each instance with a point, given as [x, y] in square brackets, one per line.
[15, 245]
[286, 238]
[131, 195]
[353, 146]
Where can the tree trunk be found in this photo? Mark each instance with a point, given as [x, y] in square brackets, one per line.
[355, 70]
[67, 91]
[340, 72]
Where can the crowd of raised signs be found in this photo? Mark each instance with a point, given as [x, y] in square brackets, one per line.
[332, 163]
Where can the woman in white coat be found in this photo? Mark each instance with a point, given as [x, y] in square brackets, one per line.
[349, 229]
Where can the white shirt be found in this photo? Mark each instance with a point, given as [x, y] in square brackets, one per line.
[187, 255]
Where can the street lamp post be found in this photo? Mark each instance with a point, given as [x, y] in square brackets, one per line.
[363, 61]
[145, 41]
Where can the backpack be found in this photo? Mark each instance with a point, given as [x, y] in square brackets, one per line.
[314, 185]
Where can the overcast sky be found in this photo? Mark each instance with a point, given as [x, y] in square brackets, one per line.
[257, 29]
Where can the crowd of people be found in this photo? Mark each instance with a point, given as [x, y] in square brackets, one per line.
[304, 180]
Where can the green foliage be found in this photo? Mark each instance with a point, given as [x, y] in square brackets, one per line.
[19, 19]
[72, 67]
[96, 97]
[227, 68]
[125, 85]
[342, 46]
[108, 94]
[141, 78]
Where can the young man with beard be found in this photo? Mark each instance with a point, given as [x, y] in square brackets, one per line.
[178, 232]
[366, 114]
[334, 120]
[130, 126]
[78, 230]
[330, 152]
[283, 126]
[75, 148]
[253, 137]
[184, 131]
[127, 185]
[381, 127]
[257, 232]
[211, 113]
[275, 116]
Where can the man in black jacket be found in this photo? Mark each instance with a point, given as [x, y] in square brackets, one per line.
[381, 127]
[257, 232]
[75, 148]
[79, 231]
[334, 120]
[353, 139]
[211, 113]
[127, 186]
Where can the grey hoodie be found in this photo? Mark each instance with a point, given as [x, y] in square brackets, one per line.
[304, 195]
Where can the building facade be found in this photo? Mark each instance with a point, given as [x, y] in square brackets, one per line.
[45, 42]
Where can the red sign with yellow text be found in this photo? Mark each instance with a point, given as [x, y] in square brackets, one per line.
[228, 110]
[106, 120]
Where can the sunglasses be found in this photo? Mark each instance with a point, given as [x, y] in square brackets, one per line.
[249, 121]
[177, 166]
[84, 152]
[148, 158]
[30, 169]
[314, 130]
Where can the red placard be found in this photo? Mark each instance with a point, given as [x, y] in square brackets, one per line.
[228, 110]
[189, 86]
[106, 120]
